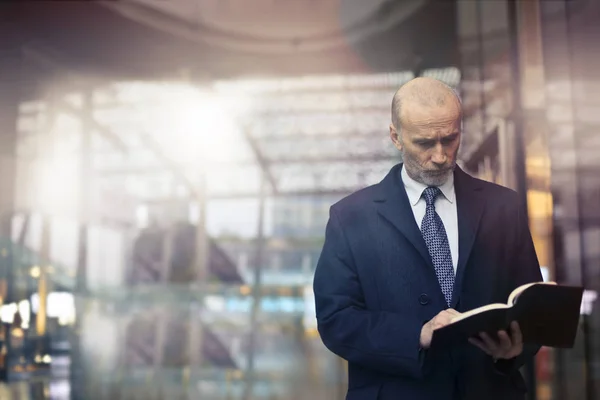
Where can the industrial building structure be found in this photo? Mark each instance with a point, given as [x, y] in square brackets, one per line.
[167, 169]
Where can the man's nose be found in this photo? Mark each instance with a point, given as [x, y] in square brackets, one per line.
[439, 156]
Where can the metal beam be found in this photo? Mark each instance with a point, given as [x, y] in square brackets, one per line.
[315, 109]
[95, 125]
[42, 58]
[156, 169]
[45, 57]
[169, 163]
[375, 135]
[256, 294]
[262, 162]
[350, 159]
[255, 195]
[119, 144]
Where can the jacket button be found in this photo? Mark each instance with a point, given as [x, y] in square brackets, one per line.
[424, 299]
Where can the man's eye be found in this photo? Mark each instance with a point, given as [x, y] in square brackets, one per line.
[450, 139]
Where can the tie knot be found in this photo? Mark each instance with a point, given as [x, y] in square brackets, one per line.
[430, 193]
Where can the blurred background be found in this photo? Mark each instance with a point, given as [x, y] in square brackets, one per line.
[167, 168]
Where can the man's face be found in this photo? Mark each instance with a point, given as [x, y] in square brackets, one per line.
[429, 141]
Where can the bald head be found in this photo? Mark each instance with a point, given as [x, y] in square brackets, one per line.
[421, 93]
[426, 116]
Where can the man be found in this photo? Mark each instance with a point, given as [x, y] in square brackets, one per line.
[404, 256]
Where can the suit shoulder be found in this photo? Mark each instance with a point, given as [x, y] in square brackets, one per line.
[497, 191]
[356, 201]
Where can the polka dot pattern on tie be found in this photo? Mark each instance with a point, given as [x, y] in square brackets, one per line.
[434, 233]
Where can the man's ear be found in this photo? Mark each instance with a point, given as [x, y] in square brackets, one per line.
[394, 135]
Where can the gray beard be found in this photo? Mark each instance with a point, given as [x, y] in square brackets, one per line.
[430, 178]
[427, 178]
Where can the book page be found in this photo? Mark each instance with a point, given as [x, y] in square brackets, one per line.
[478, 310]
[511, 300]
[518, 291]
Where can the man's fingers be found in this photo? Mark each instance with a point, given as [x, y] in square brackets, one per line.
[517, 340]
[443, 318]
[449, 314]
[505, 342]
[505, 347]
[452, 311]
[480, 344]
[441, 322]
[515, 334]
[489, 343]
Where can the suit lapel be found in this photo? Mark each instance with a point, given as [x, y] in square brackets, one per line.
[470, 205]
[394, 206]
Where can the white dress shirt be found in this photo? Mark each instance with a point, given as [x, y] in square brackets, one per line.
[445, 206]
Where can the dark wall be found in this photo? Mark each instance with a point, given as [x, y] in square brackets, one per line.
[571, 47]
[428, 39]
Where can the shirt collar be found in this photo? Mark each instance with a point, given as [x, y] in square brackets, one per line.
[414, 189]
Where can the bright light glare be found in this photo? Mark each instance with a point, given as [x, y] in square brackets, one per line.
[7, 313]
[57, 171]
[35, 271]
[57, 186]
[195, 127]
[25, 311]
[60, 305]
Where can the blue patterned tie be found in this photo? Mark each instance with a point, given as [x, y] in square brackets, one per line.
[436, 240]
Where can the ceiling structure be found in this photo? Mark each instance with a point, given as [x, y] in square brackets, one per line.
[320, 76]
[68, 49]
[209, 39]
[305, 136]
[206, 41]
[270, 27]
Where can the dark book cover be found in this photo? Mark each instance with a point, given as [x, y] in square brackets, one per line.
[548, 315]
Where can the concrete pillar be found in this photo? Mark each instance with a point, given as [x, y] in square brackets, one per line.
[11, 83]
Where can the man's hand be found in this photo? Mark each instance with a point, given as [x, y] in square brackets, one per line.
[439, 321]
[504, 348]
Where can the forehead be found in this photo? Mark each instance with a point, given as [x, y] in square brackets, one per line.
[431, 120]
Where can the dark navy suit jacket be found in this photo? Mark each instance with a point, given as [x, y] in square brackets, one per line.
[375, 286]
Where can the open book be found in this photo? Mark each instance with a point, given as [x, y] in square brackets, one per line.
[547, 313]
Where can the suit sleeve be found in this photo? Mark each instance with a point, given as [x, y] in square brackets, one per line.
[377, 340]
[525, 269]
